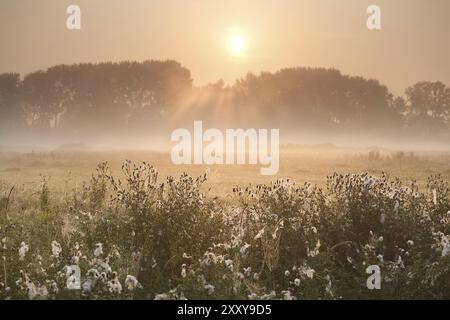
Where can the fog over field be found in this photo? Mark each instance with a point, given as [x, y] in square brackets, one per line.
[137, 105]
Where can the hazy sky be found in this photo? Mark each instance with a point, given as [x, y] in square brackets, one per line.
[413, 44]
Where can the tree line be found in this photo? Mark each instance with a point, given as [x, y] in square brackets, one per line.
[148, 95]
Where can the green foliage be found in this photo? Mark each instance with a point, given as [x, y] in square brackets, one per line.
[136, 237]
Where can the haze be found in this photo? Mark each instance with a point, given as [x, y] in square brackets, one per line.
[412, 46]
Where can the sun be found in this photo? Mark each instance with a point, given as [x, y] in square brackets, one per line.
[237, 43]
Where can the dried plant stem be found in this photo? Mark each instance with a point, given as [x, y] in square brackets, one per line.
[5, 274]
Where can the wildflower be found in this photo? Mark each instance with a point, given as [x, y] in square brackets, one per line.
[380, 239]
[315, 251]
[186, 256]
[76, 254]
[391, 194]
[309, 272]
[104, 265]
[244, 248]
[297, 282]
[369, 181]
[98, 249]
[287, 273]
[87, 214]
[410, 242]
[76, 258]
[89, 284]
[260, 234]
[53, 287]
[162, 296]
[287, 295]
[131, 283]
[380, 258]
[115, 252]
[103, 277]
[181, 296]
[24, 248]
[210, 257]
[253, 296]
[400, 263]
[114, 285]
[247, 271]
[31, 290]
[72, 278]
[446, 250]
[56, 249]
[229, 264]
[183, 270]
[268, 296]
[42, 292]
[256, 276]
[210, 288]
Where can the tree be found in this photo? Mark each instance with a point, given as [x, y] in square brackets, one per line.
[318, 98]
[11, 112]
[46, 96]
[143, 96]
[428, 105]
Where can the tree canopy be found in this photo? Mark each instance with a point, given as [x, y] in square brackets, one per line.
[130, 95]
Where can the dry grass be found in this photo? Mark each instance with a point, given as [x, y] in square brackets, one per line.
[67, 169]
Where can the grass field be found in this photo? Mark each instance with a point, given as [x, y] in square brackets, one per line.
[67, 169]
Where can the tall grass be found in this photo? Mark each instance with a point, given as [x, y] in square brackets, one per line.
[138, 237]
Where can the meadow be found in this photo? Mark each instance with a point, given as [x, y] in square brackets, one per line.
[69, 166]
[138, 227]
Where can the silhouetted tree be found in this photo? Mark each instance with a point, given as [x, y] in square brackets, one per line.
[11, 113]
[318, 97]
[132, 96]
[428, 106]
[46, 97]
